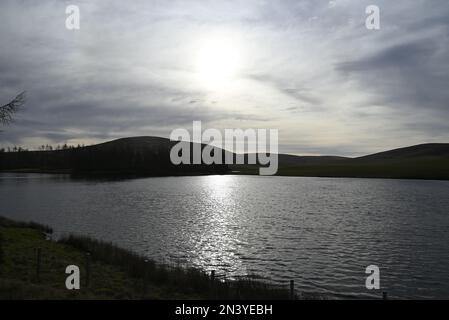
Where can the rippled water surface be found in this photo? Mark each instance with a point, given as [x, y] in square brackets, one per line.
[320, 232]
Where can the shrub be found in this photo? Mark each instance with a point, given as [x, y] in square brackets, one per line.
[190, 281]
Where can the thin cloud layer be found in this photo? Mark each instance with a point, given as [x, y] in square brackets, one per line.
[308, 68]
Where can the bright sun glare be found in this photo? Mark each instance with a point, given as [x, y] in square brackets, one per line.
[217, 63]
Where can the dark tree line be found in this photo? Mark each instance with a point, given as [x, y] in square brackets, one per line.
[110, 158]
[44, 147]
[113, 158]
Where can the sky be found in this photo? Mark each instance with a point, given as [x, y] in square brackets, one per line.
[310, 69]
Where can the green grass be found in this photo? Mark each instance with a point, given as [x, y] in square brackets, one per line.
[115, 273]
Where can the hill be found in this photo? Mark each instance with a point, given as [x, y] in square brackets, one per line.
[425, 161]
[151, 156]
[127, 156]
[429, 150]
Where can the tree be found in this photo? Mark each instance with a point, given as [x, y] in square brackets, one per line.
[8, 110]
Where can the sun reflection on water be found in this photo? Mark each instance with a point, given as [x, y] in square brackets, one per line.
[219, 241]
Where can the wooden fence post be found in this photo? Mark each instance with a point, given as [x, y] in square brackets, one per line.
[384, 296]
[145, 278]
[38, 264]
[212, 283]
[87, 269]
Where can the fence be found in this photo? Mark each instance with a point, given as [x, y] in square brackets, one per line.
[213, 277]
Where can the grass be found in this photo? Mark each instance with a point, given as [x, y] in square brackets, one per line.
[115, 273]
[422, 168]
[432, 168]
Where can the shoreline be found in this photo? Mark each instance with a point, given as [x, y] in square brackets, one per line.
[232, 172]
[112, 272]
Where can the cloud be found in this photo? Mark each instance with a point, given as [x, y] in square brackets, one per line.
[410, 75]
[310, 69]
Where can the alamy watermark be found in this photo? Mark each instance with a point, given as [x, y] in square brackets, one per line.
[258, 146]
[373, 280]
[73, 20]
[372, 21]
[72, 282]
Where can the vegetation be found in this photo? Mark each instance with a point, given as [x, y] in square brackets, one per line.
[8, 110]
[427, 161]
[425, 168]
[115, 273]
[148, 156]
[44, 147]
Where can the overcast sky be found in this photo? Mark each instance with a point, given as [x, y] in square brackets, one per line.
[308, 68]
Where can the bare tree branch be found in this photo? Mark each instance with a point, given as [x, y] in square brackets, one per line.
[7, 111]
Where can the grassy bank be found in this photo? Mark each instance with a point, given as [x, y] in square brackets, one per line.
[114, 273]
[419, 168]
[428, 169]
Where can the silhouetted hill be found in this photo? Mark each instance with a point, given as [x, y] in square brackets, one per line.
[418, 151]
[136, 155]
[293, 160]
[135, 143]
[151, 156]
[425, 161]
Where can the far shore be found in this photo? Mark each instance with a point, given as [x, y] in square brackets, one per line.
[249, 170]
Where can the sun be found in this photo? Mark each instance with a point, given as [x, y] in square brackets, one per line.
[218, 61]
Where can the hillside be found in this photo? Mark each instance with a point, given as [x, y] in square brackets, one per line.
[429, 150]
[134, 156]
[425, 161]
[151, 156]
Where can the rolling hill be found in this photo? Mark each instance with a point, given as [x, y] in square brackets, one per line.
[150, 156]
[425, 161]
[429, 150]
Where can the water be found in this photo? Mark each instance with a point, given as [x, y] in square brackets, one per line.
[320, 232]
